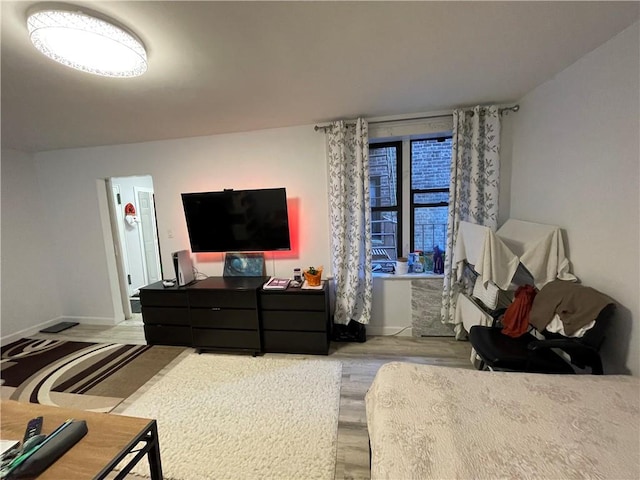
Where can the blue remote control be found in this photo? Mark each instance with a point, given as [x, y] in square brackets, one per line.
[34, 427]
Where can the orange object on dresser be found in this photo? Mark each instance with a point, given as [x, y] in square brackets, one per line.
[313, 276]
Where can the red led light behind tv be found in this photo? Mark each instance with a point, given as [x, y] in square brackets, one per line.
[237, 220]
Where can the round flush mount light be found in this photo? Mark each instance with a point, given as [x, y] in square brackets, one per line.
[82, 41]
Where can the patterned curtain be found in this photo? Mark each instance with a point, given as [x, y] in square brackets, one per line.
[350, 212]
[473, 192]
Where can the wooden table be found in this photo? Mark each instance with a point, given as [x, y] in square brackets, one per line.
[110, 439]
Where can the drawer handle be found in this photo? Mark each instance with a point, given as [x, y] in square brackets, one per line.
[216, 309]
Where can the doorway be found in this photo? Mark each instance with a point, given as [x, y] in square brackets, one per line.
[132, 210]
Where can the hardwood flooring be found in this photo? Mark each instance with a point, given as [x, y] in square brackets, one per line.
[360, 362]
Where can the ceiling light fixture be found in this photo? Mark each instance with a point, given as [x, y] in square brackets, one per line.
[84, 42]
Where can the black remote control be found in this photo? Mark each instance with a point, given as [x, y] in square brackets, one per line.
[34, 427]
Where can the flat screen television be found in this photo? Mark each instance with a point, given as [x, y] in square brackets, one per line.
[237, 220]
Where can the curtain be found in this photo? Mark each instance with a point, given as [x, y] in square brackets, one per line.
[350, 218]
[473, 191]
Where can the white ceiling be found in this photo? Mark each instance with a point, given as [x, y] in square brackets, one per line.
[217, 67]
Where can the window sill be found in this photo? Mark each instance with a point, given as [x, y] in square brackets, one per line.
[406, 276]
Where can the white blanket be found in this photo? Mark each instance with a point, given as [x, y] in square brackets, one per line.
[539, 247]
[470, 314]
[495, 255]
[428, 422]
[490, 257]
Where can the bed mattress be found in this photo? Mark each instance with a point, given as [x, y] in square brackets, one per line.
[428, 422]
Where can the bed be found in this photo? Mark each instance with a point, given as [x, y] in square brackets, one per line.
[433, 422]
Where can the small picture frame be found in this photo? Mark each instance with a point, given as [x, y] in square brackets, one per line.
[244, 265]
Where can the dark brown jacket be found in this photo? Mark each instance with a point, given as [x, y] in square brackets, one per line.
[576, 305]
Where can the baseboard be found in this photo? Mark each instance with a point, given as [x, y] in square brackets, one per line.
[389, 331]
[92, 320]
[5, 340]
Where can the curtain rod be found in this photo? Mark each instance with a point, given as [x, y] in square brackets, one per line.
[501, 111]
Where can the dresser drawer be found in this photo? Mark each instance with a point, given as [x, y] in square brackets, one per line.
[212, 338]
[297, 321]
[293, 301]
[224, 318]
[167, 335]
[296, 342]
[165, 315]
[223, 298]
[163, 298]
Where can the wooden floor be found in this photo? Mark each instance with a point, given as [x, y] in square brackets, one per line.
[360, 362]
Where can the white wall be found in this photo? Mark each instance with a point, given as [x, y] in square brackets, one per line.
[391, 307]
[576, 164]
[293, 158]
[29, 285]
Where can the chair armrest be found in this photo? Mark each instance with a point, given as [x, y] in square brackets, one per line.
[581, 355]
[496, 314]
[564, 344]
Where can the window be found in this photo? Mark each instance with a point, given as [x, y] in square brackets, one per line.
[385, 185]
[430, 177]
[426, 198]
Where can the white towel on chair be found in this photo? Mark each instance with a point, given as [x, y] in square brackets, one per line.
[486, 294]
[470, 314]
[540, 249]
[490, 257]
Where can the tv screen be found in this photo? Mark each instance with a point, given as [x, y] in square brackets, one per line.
[237, 220]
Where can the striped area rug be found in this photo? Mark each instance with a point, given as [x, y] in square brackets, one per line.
[87, 376]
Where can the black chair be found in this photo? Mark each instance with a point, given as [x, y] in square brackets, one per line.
[528, 353]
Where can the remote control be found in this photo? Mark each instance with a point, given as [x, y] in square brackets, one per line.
[34, 427]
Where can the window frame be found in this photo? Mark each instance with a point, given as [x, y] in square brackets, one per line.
[412, 192]
[398, 145]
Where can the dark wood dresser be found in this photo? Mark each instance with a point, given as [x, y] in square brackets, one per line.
[235, 314]
[295, 320]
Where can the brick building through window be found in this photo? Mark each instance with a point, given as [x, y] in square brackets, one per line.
[426, 197]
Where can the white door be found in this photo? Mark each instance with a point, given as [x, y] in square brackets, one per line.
[116, 217]
[148, 234]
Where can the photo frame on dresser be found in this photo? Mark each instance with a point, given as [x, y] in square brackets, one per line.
[244, 265]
